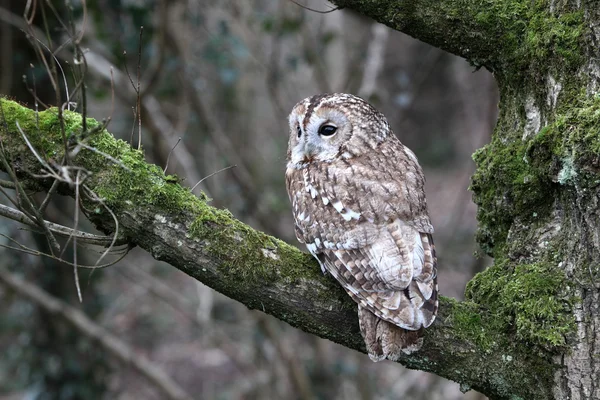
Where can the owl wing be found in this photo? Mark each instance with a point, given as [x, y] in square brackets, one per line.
[392, 278]
[365, 220]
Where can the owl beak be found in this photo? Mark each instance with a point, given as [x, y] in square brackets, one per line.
[309, 152]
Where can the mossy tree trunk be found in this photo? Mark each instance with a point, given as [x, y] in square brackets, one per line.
[537, 183]
[529, 327]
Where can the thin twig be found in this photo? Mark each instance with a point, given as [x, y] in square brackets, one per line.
[32, 149]
[60, 230]
[139, 103]
[22, 196]
[208, 176]
[127, 72]
[33, 92]
[112, 99]
[313, 10]
[57, 90]
[25, 249]
[108, 156]
[74, 237]
[46, 200]
[29, 10]
[14, 202]
[169, 156]
[64, 76]
[75, 224]
[133, 110]
[91, 195]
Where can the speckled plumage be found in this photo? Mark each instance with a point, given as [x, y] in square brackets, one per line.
[359, 206]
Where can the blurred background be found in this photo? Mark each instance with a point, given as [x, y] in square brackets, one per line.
[221, 76]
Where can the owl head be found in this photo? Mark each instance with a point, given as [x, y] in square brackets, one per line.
[333, 126]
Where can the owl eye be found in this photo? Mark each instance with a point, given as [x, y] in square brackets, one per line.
[299, 132]
[327, 130]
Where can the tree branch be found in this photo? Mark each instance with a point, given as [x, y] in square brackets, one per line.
[505, 36]
[465, 344]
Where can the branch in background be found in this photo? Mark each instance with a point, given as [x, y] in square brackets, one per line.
[295, 369]
[116, 347]
[374, 60]
[483, 32]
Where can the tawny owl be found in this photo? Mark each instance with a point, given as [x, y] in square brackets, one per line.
[359, 206]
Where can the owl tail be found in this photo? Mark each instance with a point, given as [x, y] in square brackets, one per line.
[385, 340]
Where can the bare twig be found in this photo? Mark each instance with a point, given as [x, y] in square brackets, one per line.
[169, 155]
[51, 68]
[75, 225]
[138, 102]
[33, 91]
[25, 204]
[208, 176]
[29, 10]
[46, 200]
[107, 156]
[25, 249]
[60, 230]
[62, 72]
[313, 10]
[90, 194]
[33, 151]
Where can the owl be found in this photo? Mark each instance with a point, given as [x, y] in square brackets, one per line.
[359, 206]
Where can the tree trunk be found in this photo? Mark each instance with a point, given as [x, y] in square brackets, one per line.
[537, 183]
[528, 328]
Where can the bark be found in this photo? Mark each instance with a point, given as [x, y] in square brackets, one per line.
[529, 327]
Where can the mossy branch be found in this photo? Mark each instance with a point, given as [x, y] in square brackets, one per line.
[465, 344]
[508, 37]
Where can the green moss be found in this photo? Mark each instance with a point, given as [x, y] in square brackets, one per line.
[131, 181]
[527, 299]
[517, 39]
[248, 255]
[17, 116]
[518, 179]
[530, 40]
[469, 322]
[122, 180]
[511, 182]
[551, 41]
